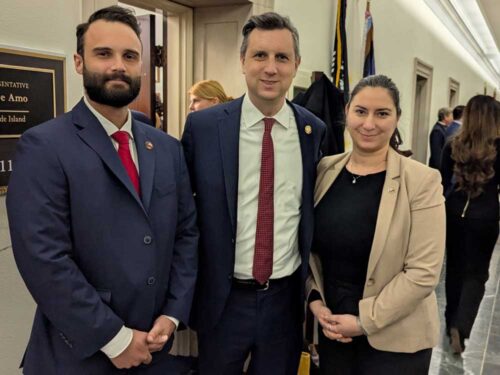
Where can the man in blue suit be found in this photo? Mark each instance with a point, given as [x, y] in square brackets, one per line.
[252, 164]
[102, 220]
[456, 123]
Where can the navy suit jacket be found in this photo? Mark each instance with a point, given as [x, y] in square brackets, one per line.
[211, 144]
[437, 139]
[94, 255]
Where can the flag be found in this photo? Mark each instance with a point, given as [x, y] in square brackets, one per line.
[369, 53]
[340, 72]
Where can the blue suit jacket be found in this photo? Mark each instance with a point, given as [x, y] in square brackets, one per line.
[211, 144]
[451, 130]
[93, 254]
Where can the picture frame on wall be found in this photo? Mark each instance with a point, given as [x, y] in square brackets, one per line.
[32, 91]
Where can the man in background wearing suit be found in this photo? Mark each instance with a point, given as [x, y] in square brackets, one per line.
[102, 220]
[437, 137]
[252, 164]
[457, 121]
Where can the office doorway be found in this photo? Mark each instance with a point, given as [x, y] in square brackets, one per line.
[421, 110]
[167, 37]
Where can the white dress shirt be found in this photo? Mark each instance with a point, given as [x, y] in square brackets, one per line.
[287, 190]
[121, 341]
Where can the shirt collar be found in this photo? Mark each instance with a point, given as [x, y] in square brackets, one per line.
[252, 115]
[108, 126]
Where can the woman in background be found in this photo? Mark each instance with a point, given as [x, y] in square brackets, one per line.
[470, 169]
[205, 94]
[378, 246]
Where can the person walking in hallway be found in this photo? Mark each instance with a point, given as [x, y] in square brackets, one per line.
[456, 123]
[471, 176]
[437, 138]
[252, 163]
[103, 221]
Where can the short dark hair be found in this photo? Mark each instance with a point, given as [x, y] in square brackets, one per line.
[111, 14]
[458, 112]
[443, 112]
[269, 21]
[384, 82]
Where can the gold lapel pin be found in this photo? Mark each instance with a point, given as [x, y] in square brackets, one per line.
[308, 129]
[149, 145]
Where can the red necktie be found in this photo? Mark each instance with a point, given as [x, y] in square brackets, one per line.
[124, 153]
[264, 234]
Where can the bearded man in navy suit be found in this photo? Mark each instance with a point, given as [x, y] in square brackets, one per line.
[102, 220]
[252, 163]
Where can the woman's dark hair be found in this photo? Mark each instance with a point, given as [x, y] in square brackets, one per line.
[384, 82]
[111, 14]
[474, 147]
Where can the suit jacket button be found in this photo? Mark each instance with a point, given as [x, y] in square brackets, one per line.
[147, 240]
[230, 277]
[370, 282]
[151, 280]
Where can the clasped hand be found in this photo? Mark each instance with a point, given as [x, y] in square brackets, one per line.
[340, 327]
[144, 343]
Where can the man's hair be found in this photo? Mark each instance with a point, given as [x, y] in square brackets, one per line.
[269, 21]
[458, 111]
[443, 113]
[110, 14]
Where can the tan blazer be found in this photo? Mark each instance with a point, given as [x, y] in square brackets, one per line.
[399, 308]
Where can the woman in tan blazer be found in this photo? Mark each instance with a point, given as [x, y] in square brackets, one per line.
[378, 246]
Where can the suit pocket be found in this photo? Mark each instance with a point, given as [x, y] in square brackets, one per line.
[105, 295]
[166, 189]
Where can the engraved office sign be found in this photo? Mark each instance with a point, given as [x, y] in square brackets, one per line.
[21, 90]
[32, 91]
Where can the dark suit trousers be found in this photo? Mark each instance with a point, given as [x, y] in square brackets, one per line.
[359, 358]
[264, 324]
[469, 245]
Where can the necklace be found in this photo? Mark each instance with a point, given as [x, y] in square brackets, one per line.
[355, 177]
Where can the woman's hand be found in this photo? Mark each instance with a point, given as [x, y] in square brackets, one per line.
[347, 325]
[327, 322]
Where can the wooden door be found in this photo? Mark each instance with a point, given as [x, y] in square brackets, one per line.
[145, 101]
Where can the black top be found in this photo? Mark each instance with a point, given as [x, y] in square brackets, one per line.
[344, 227]
[485, 206]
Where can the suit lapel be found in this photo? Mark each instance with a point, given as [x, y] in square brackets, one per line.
[306, 140]
[229, 137]
[146, 159]
[93, 134]
[387, 205]
[326, 179]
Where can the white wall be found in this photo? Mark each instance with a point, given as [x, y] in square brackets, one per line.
[46, 26]
[315, 22]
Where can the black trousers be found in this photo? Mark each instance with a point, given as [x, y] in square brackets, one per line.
[359, 358]
[469, 245]
[265, 324]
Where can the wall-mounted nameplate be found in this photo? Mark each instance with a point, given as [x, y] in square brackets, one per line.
[32, 91]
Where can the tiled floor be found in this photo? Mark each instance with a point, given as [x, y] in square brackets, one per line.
[482, 352]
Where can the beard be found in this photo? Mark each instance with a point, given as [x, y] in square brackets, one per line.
[118, 97]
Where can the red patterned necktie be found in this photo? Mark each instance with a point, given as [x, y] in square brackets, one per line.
[264, 234]
[126, 157]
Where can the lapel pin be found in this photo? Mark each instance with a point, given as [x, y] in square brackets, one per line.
[392, 190]
[149, 145]
[308, 129]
